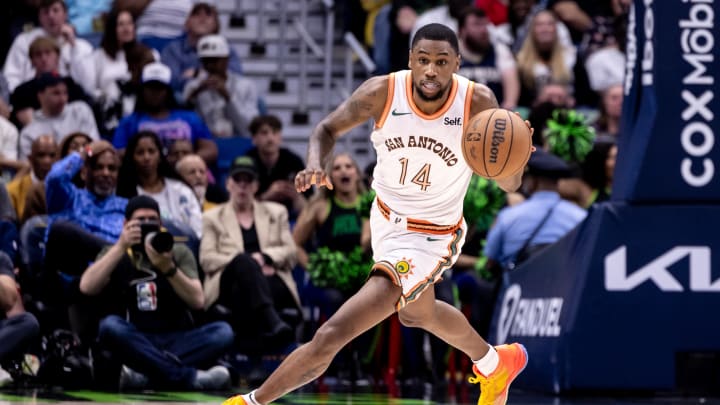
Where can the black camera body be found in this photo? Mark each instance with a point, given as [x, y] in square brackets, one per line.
[161, 241]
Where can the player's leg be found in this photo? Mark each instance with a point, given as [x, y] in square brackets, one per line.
[374, 302]
[495, 368]
[444, 321]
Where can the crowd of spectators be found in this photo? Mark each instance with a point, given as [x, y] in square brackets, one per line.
[109, 130]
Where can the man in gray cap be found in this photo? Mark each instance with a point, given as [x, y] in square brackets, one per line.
[224, 99]
[537, 222]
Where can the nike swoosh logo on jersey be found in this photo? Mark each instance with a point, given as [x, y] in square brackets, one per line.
[429, 239]
[395, 113]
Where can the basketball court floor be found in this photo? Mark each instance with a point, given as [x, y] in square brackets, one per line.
[310, 398]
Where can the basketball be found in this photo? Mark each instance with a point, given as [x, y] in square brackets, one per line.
[496, 143]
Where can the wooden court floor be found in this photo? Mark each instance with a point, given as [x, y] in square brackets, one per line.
[42, 397]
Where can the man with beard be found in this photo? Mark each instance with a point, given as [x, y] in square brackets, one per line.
[483, 61]
[81, 221]
[416, 221]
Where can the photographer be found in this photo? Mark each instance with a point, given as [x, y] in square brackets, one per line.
[159, 284]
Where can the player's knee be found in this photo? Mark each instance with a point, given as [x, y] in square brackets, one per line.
[328, 340]
[411, 319]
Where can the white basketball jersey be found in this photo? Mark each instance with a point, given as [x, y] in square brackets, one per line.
[420, 171]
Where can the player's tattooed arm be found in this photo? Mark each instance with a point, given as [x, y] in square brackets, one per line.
[366, 102]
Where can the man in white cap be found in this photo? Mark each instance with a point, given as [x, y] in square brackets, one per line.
[226, 101]
[156, 110]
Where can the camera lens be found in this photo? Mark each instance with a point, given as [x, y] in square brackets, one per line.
[162, 242]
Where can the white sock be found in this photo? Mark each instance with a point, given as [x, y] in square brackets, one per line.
[488, 363]
[250, 398]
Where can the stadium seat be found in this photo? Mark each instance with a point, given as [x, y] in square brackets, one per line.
[229, 149]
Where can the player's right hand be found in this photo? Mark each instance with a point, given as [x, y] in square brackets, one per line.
[306, 178]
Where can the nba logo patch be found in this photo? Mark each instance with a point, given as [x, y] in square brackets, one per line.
[147, 296]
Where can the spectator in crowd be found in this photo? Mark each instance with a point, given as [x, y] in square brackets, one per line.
[277, 166]
[8, 227]
[18, 328]
[542, 57]
[552, 96]
[193, 170]
[589, 21]
[486, 62]
[542, 219]
[401, 18]
[146, 171]
[181, 55]
[111, 76]
[600, 177]
[9, 138]
[35, 204]
[605, 67]
[74, 52]
[247, 253]
[56, 116]
[43, 153]
[449, 13]
[45, 58]
[84, 220]
[608, 123]
[157, 341]
[17, 17]
[520, 14]
[86, 15]
[74, 142]
[595, 183]
[156, 110]
[318, 223]
[223, 99]
[594, 27]
[159, 22]
[178, 150]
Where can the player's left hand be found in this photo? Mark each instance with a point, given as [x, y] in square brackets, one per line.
[530, 127]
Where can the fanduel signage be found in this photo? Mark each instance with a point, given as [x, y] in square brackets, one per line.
[531, 317]
[668, 149]
[629, 273]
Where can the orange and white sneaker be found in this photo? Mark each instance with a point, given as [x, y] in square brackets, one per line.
[236, 400]
[494, 387]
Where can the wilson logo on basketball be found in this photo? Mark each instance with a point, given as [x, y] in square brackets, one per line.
[497, 138]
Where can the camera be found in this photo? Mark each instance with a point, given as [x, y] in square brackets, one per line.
[161, 241]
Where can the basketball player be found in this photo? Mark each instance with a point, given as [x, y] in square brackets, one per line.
[416, 220]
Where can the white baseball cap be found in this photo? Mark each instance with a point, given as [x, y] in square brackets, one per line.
[213, 46]
[156, 72]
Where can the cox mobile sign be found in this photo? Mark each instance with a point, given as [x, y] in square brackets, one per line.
[612, 304]
[668, 149]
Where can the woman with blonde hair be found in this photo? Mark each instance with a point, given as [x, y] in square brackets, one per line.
[543, 58]
[329, 205]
